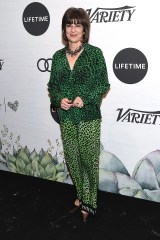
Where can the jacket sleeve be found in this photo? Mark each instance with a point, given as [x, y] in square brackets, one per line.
[53, 86]
[101, 84]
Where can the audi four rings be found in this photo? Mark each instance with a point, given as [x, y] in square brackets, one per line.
[44, 65]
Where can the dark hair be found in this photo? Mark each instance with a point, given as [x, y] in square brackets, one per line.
[77, 16]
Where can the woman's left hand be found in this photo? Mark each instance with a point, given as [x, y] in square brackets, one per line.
[78, 102]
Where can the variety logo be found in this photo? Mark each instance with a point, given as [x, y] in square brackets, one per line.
[130, 65]
[1, 63]
[111, 14]
[138, 117]
[36, 18]
[44, 65]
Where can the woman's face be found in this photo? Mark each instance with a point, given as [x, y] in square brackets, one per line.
[74, 32]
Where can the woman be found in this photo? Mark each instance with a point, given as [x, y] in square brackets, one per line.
[77, 82]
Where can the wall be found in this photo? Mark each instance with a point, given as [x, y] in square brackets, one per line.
[126, 31]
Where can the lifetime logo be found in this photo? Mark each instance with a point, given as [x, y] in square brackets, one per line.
[106, 15]
[130, 65]
[36, 19]
[1, 63]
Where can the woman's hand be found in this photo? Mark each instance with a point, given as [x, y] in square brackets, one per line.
[78, 102]
[66, 104]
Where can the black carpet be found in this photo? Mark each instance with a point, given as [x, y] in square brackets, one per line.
[36, 209]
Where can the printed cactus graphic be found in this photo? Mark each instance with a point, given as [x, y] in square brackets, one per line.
[147, 174]
[41, 165]
[149, 164]
[113, 175]
[22, 161]
[144, 182]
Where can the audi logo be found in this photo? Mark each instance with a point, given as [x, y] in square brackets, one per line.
[44, 65]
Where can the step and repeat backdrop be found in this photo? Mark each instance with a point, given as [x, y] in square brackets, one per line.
[30, 138]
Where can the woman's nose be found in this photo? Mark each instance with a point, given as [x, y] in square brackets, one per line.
[73, 29]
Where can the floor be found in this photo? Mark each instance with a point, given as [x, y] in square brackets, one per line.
[36, 209]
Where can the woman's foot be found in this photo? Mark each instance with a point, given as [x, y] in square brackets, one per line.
[77, 206]
[85, 216]
[77, 202]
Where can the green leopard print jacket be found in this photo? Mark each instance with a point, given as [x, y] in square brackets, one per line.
[88, 79]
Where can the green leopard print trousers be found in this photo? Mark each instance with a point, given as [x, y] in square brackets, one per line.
[81, 144]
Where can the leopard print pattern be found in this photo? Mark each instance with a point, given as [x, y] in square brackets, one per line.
[81, 143]
[88, 79]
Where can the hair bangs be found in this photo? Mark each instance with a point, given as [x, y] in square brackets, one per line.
[74, 19]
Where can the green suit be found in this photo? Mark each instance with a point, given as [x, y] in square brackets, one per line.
[80, 127]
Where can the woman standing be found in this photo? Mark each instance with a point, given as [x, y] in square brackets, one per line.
[78, 80]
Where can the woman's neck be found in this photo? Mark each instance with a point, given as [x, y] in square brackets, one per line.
[74, 46]
[75, 51]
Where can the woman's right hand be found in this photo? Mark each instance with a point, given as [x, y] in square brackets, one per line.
[66, 104]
